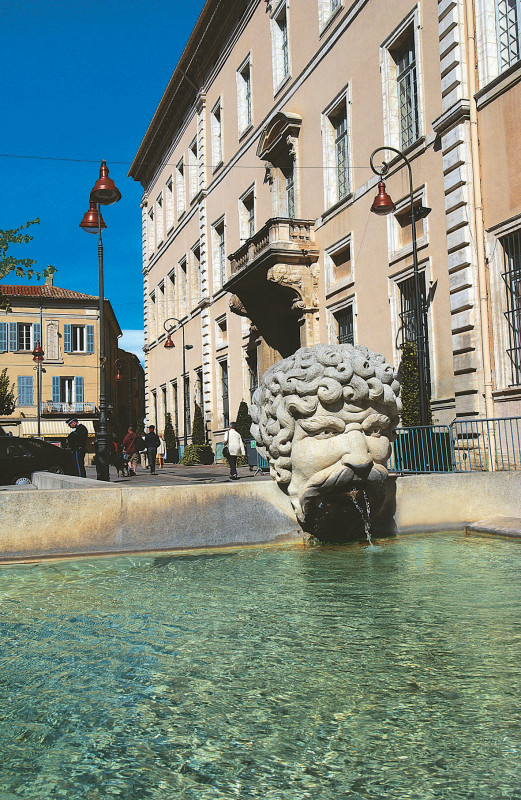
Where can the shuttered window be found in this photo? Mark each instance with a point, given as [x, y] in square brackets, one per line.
[25, 390]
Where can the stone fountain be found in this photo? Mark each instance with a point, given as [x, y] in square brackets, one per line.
[324, 419]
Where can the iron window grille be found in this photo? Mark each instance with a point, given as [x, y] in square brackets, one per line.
[512, 278]
[407, 315]
[341, 152]
[345, 322]
[225, 393]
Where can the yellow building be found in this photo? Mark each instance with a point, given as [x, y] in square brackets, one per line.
[257, 231]
[66, 323]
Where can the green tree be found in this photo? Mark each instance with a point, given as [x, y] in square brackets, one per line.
[23, 267]
[198, 432]
[410, 395]
[243, 421]
[170, 438]
[7, 399]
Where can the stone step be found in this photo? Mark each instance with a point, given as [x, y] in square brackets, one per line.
[497, 526]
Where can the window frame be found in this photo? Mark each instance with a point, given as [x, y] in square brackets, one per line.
[244, 96]
[331, 140]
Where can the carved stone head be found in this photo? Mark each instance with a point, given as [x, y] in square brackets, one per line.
[324, 419]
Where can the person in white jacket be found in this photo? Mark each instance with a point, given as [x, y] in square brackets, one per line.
[234, 447]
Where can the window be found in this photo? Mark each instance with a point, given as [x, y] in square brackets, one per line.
[175, 406]
[336, 152]
[221, 331]
[289, 190]
[186, 399]
[68, 390]
[223, 365]
[169, 203]
[253, 370]
[154, 407]
[24, 385]
[170, 296]
[3, 337]
[150, 231]
[193, 169]
[400, 68]
[180, 187]
[247, 214]
[217, 138]
[219, 253]
[22, 336]
[159, 220]
[280, 46]
[152, 318]
[78, 338]
[408, 323]
[244, 96]
[183, 281]
[338, 263]
[199, 389]
[512, 278]
[508, 19]
[345, 325]
[164, 406]
[326, 10]
[408, 112]
[197, 272]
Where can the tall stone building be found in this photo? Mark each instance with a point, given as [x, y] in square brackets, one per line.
[257, 231]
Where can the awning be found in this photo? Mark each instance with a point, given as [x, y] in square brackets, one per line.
[51, 427]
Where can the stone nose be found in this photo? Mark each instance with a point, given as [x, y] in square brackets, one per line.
[360, 464]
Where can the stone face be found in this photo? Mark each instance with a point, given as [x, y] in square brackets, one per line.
[325, 418]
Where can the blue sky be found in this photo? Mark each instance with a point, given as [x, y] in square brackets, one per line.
[80, 82]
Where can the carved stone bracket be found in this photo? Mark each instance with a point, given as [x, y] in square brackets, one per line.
[236, 306]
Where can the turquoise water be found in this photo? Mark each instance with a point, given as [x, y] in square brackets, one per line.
[282, 674]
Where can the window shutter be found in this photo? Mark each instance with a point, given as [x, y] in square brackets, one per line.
[67, 339]
[37, 333]
[78, 390]
[13, 337]
[55, 388]
[90, 338]
[25, 390]
[3, 337]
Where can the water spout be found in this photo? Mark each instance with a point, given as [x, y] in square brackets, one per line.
[365, 513]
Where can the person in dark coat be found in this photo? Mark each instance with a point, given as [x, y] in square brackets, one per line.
[152, 442]
[77, 442]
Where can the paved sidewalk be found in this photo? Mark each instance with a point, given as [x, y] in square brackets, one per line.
[179, 475]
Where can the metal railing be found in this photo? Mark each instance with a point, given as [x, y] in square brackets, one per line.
[423, 449]
[487, 445]
[483, 445]
[68, 408]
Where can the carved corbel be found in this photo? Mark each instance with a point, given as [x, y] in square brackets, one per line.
[236, 306]
[269, 174]
[291, 141]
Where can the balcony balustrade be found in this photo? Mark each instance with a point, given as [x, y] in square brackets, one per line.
[68, 408]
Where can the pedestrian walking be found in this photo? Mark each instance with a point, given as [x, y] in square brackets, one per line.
[233, 447]
[161, 451]
[152, 442]
[130, 448]
[77, 442]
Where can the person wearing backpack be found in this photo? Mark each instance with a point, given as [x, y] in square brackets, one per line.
[152, 442]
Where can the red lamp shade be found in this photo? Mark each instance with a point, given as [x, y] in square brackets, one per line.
[91, 220]
[118, 375]
[105, 190]
[382, 204]
[38, 353]
[168, 343]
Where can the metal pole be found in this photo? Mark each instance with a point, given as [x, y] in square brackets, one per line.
[418, 310]
[184, 386]
[39, 379]
[102, 453]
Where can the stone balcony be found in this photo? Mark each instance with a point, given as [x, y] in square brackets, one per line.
[68, 408]
[274, 282]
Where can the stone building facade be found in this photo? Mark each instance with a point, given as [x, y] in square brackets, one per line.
[66, 323]
[256, 223]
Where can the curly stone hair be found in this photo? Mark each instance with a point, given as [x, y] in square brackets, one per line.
[292, 389]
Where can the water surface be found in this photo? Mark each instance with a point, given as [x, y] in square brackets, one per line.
[275, 673]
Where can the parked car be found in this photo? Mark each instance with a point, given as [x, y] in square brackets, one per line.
[21, 457]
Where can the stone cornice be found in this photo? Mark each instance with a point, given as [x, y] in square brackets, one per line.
[459, 112]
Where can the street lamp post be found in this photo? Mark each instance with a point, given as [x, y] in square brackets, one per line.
[169, 344]
[38, 355]
[103, 193]
[119, 377]
[382, 206]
